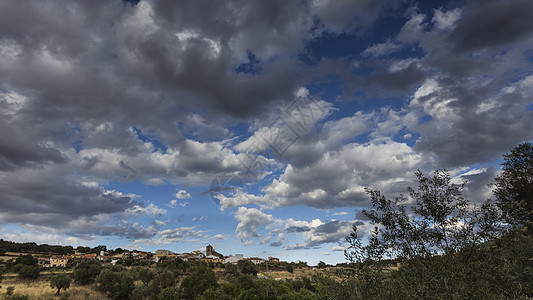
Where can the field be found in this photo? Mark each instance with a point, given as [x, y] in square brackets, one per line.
[39, 289]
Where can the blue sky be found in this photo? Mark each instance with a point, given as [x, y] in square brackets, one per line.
[253, 126]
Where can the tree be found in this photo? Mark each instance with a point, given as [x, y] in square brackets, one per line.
[440, 222]
[290, 269]
[60, 282]
[144, 274]
[321, 264]
[85, 272]
[117, 283]
[201, 279]
[27, 260]
[247, 267]
[514, 186]
[29, 272]
[166, 278]
[167, 294]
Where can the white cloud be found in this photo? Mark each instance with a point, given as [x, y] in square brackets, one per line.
[182, 194]
[151, 209]
[342, 213]
[250, 220]
[446, 20]
[338, 248]
[379, 50]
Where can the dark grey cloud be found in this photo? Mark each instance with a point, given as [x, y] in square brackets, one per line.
[17, 149]
[328, 232]
[397, 82]
[32, 193]
[490, 24]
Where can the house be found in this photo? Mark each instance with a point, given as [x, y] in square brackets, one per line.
[215, 259]
[256, 260]
[163, 252]
[58, 262]
[233, 259]
[90, 256]
[273, 259]
[44, 262]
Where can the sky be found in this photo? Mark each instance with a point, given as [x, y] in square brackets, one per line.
[253, 126]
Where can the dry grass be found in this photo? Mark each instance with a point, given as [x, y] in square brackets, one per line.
[40, 290]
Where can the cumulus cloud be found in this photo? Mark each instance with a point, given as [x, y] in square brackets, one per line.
[250, 220]
[182, 194]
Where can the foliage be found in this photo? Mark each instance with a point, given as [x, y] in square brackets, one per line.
[290, 269]
[11, 295]
[85, 272]
[59, 282]
[200, 279]
[143, 274]
[514, 186]
[441, 222]
[247, 267]
[27, 260]
[116, 282]
[34, 248]
[166, 279]
[231, 269]
[151, 290]
[29, 272]
[321, 264]
[499, 269]
[168, 293]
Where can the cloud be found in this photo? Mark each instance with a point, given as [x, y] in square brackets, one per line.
[250, 219]
[151, 209]
[493, 24]
[176, 235]
[342, 213]
[182, 194]
[327, 232]
[339, 177]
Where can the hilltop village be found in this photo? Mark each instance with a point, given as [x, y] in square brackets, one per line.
[112, 257]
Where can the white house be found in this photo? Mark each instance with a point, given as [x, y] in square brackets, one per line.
[233, 259]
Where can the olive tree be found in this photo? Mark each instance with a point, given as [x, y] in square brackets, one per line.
[60, 282]
[514, 186]
[433, 219]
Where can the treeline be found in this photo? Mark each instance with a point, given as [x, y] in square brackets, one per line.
[7, 246]
[31, 247]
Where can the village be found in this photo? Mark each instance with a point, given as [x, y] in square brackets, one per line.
[112, 257]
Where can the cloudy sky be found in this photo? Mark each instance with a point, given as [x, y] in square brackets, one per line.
[250, 125]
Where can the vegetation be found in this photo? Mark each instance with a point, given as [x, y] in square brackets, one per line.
[447, 247]
[60, 282]
[514, 186]
[86, 272]
[116, 282]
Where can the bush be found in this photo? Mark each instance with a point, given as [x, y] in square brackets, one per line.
[118, 284]
[290, 269]
[167, 294]
[85, 272]
[200, 279]
[29, 272]
[247, 267]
